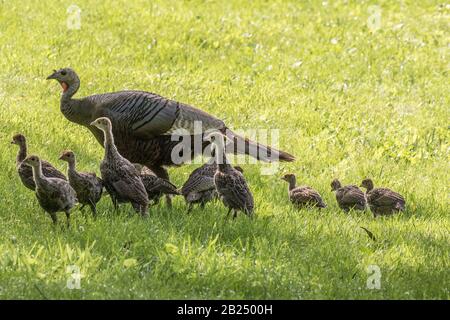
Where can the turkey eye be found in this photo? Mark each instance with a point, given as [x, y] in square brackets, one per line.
[63, 73]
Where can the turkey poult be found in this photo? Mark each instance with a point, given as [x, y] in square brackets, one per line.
[54, 194]
[155, 186]
[199, 187]
[25, 171]
[87, 185]
[348, 197]
[382, 201]
[143, 123]
[230, 183]
[120, 177]
[303, 196]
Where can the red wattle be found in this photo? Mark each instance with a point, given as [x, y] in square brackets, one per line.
[64, 86]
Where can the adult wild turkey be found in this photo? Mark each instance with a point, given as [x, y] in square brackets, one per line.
[25, 172]
[54, 194]
[143, 123]
[302, 196]
[88, 186]
[348, 197]
[230, 183]
[382, 201]
[120, 177]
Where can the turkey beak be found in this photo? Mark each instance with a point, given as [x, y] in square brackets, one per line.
[94, 124]
[13, 142]
[52, 76]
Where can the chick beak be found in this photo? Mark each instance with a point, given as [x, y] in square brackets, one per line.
[13, 142]
[93, 123]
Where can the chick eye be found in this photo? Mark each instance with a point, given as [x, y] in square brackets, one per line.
[63, 72]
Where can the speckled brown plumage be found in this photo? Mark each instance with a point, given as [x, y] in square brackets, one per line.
[87, 185]
[53, 194]
[348, 197]
[155, 186]
[120, 177]
[303, 196]
[382, 201]
[199, 188]
[231, 185]
[25, 172]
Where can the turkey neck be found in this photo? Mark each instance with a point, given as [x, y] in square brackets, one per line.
[72, 166]
[72, 172]
[292, 183]
[22, 154]
[37, 173]
[73, 109]
[110, 148]
[221, 159]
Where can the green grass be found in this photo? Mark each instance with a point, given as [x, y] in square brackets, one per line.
[360, 104]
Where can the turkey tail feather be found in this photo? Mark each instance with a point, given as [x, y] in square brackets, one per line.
[241, 145]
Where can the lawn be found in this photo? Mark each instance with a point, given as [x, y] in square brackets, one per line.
[355, 90]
